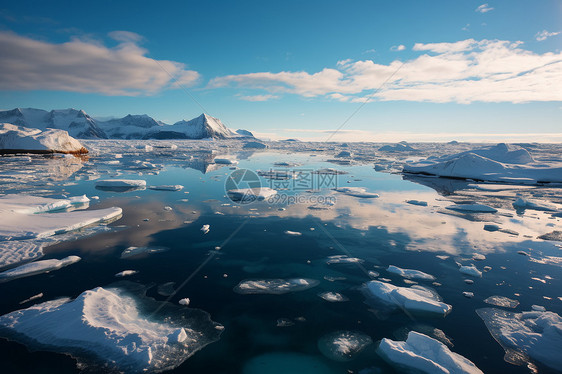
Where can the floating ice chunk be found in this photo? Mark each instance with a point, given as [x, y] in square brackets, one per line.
[410, 273]
[37, 267]
[136, 251]
[521, 203]
[357, 192]
[423, 354]
[176, 187]
[372, 274]
[293, 233]
[274, 286]
[478, 257]
[554, 235]
[467, 294]
[537, 334]
[284, 322]
[185, 301]
[18, 139]
[205, 228]
[471, 270]
[120, 185]
[34, 297]
[333, 297]
[251, 194]
[491, 227]
[110, 329]
[126, 273]
[26, 204]
[343, 259]
[413, 299]
[417, 202]
[501, 301]
[225, 161]
[343, 345]
[472, 208]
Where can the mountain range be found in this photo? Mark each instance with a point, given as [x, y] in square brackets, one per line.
[80, 125]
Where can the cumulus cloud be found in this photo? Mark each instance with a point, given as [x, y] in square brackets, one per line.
[258, 97]
[462, 72]
[543, 35]
[484, 8]
[87, 66]
[398, 48]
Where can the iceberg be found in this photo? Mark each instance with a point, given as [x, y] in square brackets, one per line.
[536, 334]
[112, 329]
[410, 273]
[423, 354]
[37, 267]
[15, 139]
[412, 299]
[274, 286]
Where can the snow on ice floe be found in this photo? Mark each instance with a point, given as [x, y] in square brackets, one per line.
[410, 273]
[251, 194]
[343, 346]
[333, 297]
[536, 334]
[412, 299]
[27, 204]
[16, 139]
[356, 192]
[470, 270]
[175, 187]
[120, 184]
[37, 267]
[472, 208]
[501, 163]
[503, 301]
[274, 286]
[423, 354]
[112, 328]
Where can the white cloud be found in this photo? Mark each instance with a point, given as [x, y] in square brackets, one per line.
[398, 48]
[543, 35]
[258, 97]
[87, 66]
[462, 72]
[484, 8]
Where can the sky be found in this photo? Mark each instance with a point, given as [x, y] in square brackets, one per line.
[377, 70]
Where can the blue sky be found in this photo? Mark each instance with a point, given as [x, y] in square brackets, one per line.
[453, 69]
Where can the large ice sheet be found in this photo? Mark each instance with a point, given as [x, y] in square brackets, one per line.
[537, 334]
[112, 328]
[412, 299]
[422, 354]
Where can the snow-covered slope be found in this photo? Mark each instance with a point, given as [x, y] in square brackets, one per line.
[16, 139]
[132, 126]
[76, 122]
[201, 127]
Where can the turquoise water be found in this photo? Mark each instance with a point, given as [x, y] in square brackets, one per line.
[382, 231]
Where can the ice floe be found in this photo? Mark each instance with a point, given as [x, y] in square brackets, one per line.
[412, 299]
[206, 229]
[417, 202]
[410, 273]
[110, 328]
[343, 346]
[176, 187]
[292, 233]
[535, 334]
[126, 273]
[470, 270]
[420, 353]
[120, 185]
[503, 301]
[37, 267]
[274, 286]
[333, 297]
[251, 194]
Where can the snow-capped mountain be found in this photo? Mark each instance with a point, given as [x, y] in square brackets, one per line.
[201, 127]
[132, 126]
[76, 122]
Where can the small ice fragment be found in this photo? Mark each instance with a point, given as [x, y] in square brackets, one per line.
[293, 233]
[343, 259]
[168, 208]
[333, 297]
[501, 301]
[468, 294]
[126, 273]
[410, 273]
[417, 202]
[471, 270]
[491, 227]
[343, 346]
[538, 308]
[176, 187]
[185, 301]
[206, 228]
[373, 274]
[34, 297]
[284, 322]
[468, 281]
[478, 257]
